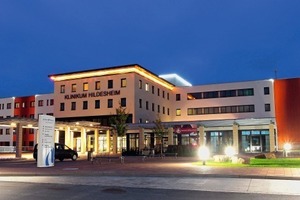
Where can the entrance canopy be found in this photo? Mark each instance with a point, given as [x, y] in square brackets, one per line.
[34, 123]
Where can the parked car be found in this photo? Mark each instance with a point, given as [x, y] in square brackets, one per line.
[61, 152]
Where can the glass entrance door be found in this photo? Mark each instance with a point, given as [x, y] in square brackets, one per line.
[256, 143]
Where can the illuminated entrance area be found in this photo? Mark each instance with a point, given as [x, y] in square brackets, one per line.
[219, 140]
[254, 141]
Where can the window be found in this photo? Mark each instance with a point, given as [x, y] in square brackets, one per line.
[168, 111]
[110, 84]
[153, 89]
[97, 85]
[73, 106]
[158, 91]
[1, 131]
[147, 87]
[140, 84]
[178, 97]
[8, 106]
[85, 105]
[158, 108]
[211, 94]
[123, 82]
[140, 103]
[123, 102]
[153, 107]
[62, 107]
[267, 107]
[196, 95]
[266, 90]
[40, 103]
[62, 89]
[168, 96]
[23, 105]
[228, 93]
[178, 112]
[109, 103]
[246, 92]
[31, 116]
[31, 104]
[164, 110]
[147, 105]
[85, 86]
[73, 89]
[97, 104]
[7, 131]
[17, 105]
[51, 102]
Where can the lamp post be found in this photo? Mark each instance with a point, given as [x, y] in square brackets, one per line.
[286, 149]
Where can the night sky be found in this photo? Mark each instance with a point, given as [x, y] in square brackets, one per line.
[204, 41]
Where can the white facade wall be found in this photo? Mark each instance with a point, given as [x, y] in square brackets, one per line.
[160, 97]
[6, 111]
[131, 92]
[259, 99]
[47, 106]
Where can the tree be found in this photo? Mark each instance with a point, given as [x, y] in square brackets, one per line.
[160, 131]
[118, 122]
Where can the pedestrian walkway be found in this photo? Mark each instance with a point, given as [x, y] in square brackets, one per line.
[151, 167]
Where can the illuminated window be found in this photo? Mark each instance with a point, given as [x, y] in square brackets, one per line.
[73, 88]
[85, 86]
[17, 105]
[178, 112]
[23, 105]
[123, 82]
[62, 89]
[97, 85]
[147, 87]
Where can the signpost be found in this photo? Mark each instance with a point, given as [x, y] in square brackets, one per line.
[46, 150]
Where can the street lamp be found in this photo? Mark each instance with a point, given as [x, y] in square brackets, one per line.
[286, 149]
[203, 153]
[229, 151]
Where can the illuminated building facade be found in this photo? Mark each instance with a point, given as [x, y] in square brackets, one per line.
[23, 107]
[252, 116]
[239, 114]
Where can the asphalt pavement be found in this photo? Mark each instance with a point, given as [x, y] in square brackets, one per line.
[182, 173]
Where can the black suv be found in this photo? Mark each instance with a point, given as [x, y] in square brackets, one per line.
[61, 152]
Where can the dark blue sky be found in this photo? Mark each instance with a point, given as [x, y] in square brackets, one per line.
[204, 41]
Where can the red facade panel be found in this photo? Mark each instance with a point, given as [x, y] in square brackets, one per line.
[24, 107]
[287, 110]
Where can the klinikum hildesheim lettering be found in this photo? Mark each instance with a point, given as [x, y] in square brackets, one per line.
[93, 94]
